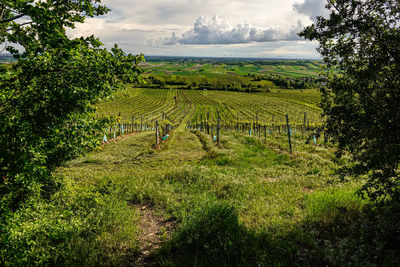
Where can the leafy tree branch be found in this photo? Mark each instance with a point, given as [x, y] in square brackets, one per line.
[359, 44]
[46, 114]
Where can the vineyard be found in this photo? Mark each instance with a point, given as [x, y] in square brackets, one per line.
[195, 191]
[207, 153]
[259, 114]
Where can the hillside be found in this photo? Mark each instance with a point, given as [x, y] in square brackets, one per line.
[188, 193]
[246, 201]
[196, 133]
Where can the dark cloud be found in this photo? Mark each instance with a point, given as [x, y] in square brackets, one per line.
[216, 30]
[312, 8]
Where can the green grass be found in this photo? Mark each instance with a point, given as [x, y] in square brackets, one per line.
[85, 223]
[246, 202]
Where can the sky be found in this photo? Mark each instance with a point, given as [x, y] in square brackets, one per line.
[207, 28]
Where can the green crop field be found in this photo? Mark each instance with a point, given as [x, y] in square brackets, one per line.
[242, 75]
[193, 202]
[200, 177]
[239, 176]
[180, 105]
[287, 68]
[242, 199]
[199, 133]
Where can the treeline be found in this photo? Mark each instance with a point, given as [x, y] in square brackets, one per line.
[256, 83]
[288, 83]
[221, 83]
[234, 61]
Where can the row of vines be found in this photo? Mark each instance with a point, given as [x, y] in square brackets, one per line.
[140, 108]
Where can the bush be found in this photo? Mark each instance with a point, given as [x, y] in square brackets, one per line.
[79, 227]
[343, 230]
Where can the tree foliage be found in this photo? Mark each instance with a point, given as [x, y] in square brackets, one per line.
[359, 43]
[46, 99]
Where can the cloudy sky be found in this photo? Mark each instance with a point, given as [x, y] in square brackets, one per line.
[217, 28]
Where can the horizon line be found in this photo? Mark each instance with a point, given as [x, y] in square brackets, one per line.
[214, 57]
[235, 57]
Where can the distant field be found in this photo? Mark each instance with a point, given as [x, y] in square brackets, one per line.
[285, 68]
[225, 74]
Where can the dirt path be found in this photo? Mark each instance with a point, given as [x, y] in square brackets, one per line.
[154, 231]
[133, 155]
[155, 228]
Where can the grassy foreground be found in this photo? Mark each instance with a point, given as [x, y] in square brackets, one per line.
[246, 203]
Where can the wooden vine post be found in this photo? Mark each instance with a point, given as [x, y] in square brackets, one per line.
[256, 126]
[157, 136]
[237, 122]
[119, 123]
[265, 132]
[218, 128]
[133, 123]
[288, 131]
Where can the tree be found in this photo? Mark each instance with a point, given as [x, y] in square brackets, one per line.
[359, 43]
[46, 101]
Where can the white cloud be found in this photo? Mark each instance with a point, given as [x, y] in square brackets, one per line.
[312, 8]
[254, 27]
[218, 30]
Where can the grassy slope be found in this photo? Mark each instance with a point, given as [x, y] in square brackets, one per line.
[247, 202]
[255, 192]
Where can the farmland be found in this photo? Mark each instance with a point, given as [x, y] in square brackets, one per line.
[193, 200]
[243, 75]
[160, 135]
[241, 67]
[196, 106]
[246, 200]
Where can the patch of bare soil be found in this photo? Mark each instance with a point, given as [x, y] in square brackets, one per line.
[154, 230]
[308, 190]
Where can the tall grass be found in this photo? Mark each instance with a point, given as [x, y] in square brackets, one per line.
[249, 204]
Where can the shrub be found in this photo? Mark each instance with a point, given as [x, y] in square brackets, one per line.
[79, 227]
